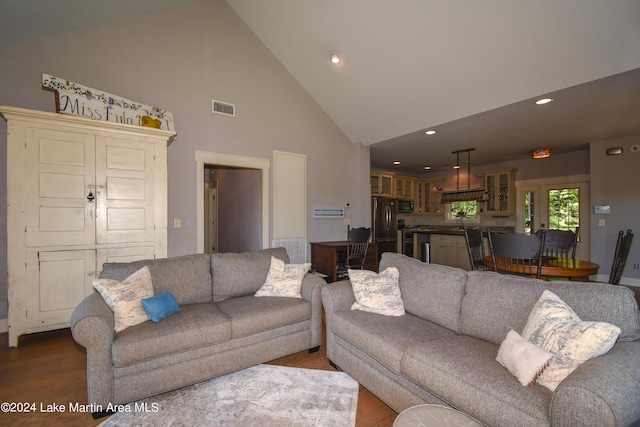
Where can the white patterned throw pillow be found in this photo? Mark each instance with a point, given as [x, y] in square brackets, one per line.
[283, 280]
[377, 292]
[556, 328]
[124, 298]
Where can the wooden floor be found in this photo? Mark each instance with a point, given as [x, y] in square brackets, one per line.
[50, 368]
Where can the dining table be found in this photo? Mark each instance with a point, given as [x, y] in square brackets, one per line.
[571, 268]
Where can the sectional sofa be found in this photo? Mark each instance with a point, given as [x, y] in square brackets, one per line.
[443, 349]
[221, 327]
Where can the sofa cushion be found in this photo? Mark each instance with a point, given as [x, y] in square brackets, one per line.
[240, 274]
[433, 292]
[250, 315]
[495, 303]
[382, 337]
[462, 371]
[195, 326]
[187, 277]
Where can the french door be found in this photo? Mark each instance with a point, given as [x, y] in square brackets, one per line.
[559, 203]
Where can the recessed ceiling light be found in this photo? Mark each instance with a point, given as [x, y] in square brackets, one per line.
[335, 59]
[427, 167]
[397, 162]
[543, 101]
[430, 132]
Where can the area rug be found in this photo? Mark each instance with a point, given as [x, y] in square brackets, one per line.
[263, 395]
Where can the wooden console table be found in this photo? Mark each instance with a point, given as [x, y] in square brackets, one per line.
[325, 256]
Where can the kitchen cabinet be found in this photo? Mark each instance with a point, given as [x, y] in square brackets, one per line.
[500, 185]
[80, 193]
[450, 250]
[382, 185]
[426, 196]
[403, 187]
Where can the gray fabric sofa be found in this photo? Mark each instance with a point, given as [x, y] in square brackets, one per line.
[221, 327]
[443, 350]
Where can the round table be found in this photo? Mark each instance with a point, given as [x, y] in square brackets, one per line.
[433, 416]
[559, 267]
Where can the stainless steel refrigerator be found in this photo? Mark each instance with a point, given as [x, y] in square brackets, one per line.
[384, 223]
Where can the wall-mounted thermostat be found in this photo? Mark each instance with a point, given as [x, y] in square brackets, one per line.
[603, 209]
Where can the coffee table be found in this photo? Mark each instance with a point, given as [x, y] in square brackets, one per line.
[433, 416]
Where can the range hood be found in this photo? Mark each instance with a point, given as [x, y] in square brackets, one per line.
[467, 195]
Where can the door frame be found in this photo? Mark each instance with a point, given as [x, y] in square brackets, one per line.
[544, 184]
[209, 158]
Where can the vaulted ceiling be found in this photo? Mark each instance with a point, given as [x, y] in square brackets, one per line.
[469, 70]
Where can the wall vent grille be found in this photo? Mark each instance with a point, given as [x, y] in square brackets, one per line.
[296, 249]
[328, 212]
[223, 108]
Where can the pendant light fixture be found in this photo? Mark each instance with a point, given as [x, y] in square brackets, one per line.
[467, 195]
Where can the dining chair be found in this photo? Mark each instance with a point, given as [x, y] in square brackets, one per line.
[623, 246]
[517, 254]
[475, 247]
[356, 252]
[559, 243]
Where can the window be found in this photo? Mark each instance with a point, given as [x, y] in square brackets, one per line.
[462, 212]
[564, 208]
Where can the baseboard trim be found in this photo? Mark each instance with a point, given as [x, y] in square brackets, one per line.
[4, 326]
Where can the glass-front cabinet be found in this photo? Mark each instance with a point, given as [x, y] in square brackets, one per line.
[426, 196]
[404, 187]
[382, 185]
[500, 187]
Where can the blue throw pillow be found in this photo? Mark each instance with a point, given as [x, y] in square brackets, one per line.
[160, 306]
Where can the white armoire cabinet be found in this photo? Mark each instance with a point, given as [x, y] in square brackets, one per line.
[80, 193]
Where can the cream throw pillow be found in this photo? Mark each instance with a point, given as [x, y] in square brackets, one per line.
[377, 293]
[524, 360]
[283, 280]
[556, 328]
[124, 298]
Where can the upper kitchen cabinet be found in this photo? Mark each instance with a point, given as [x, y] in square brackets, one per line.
[500, 186]
[403, 187]
[426, 196]
[382, 185]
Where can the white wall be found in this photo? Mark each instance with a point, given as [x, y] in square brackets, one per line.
[180, 60]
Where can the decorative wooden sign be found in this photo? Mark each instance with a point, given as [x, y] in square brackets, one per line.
[76, 99]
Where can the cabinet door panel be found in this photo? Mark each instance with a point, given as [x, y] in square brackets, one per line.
[57, 282]
[125, 203]
[130, 254]
[59, 179]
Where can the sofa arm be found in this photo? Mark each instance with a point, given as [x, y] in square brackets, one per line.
[92, 326]
[338, 296]
[602, 391]
[310, 291]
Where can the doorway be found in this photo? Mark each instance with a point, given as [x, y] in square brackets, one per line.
[232, 209]
[558, 203]
[259, 213]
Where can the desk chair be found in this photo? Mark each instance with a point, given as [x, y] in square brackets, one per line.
[623, 246]
[516, 254]
[356, 252]
[475, 247]
[559, 243]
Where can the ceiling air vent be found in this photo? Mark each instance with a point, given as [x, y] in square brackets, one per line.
[223, 108]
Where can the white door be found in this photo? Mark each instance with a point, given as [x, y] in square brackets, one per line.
[128, 254]
[57, 282]
[124, 196]
[60, 177]
[536, 200]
